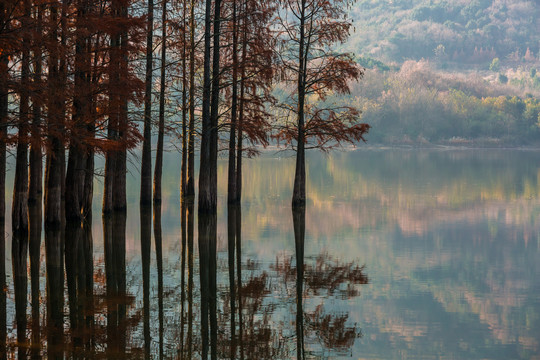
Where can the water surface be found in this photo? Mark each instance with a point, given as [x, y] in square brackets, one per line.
[399, 254]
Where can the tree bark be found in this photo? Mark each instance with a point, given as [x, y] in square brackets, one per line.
[231, 196]
[19, 210]
[161, 126]
[239, 145]
[146, 165]
[119, 188]
[299, 223]
[214, 112]
[35, 186]
[4, 61]
[299, 190]
[206, 200]
[75, 175]
[190, 181]
[183, 180]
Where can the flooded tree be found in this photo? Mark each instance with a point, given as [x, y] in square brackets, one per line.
[308, 29]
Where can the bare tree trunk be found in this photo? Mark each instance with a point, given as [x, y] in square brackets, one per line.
[299, 223]
[190, 181]
[35, 186]
[119, 188]
[3, 134]
[19, 259]
[214, 112]
[146, 249]
[19, 210]
[183, 181]
[231, 196]
[161, 126]
[4, 61]
[241, 110]
[146, 165]
[54, 167]
[299, 191]
[54, 259]
[36, 215]
[76, 176]
[206, 203]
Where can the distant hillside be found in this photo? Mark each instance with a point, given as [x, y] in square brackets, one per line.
[456, 33]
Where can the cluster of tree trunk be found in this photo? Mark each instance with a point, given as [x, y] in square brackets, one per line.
[69, 81]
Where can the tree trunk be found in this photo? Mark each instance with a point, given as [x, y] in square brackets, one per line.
[19, 259]
[54, 259]
[146, 249]
[183, 181]
[36, 216]
[190, 181]
[206, 201]
[119, 188]
[74, 182]
[161, 126]
[299, 191]
[35, 186]
[214, 112]
[75, 175]
[19, 210]
[54, 167]
[231, 196]
[146, 165]
[3, 134]
[3, 128]
[239, 149]
[299, 223]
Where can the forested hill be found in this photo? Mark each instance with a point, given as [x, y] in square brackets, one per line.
[455, 32]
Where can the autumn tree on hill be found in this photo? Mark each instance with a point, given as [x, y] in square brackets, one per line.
[307, 31]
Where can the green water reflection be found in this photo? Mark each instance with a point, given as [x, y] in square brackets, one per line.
[399, 254]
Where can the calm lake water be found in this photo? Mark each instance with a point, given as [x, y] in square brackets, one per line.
[401, 254]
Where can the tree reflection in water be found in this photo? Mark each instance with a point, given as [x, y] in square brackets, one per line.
[230, 307]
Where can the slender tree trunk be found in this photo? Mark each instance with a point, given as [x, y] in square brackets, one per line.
[4, 61]
[190, 181]
[231, 242]
[112, 154]
[206, 203]
[54, 167]
[299, 191]
[231, 197]
[119, 188]
[239, 149]
[3, 135]
[63, 80]
[146, 165]
[36, 216]
[161, 126]
[19, 259]
[19, 210]
[54, 259]
[190, 217]
[146, 248]
[35, 186]
[75, 176]
[183, 181]
[214, 112]
[299, 222]
[238, 229]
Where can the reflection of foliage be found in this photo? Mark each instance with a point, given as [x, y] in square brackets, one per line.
[332, 330]
[326, 275]
[329, 275]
